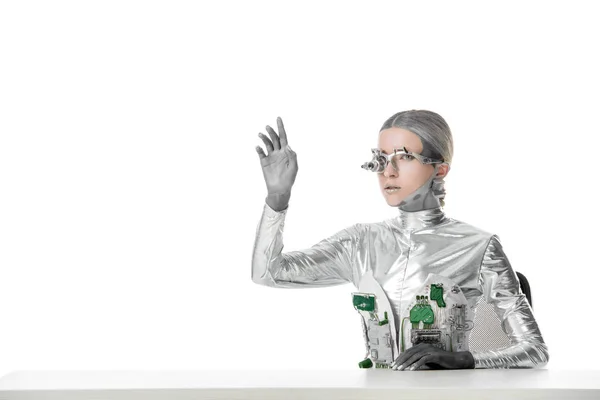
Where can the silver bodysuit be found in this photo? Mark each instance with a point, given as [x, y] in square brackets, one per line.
[401, 252]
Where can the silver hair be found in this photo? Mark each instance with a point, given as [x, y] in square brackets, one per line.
[431, 128]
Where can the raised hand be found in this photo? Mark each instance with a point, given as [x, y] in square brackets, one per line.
[279, 166]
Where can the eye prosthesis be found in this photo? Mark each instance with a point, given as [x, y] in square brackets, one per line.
[398, 158]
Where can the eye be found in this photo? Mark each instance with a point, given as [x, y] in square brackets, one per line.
[407, 157]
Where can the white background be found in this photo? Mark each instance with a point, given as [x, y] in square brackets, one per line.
[130, 189]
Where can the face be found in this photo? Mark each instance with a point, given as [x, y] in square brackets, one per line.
[412, 174]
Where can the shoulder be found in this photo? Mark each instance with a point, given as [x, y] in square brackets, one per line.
[351, 233]
[468, 230]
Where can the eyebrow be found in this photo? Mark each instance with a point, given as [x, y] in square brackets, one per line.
[399, 148]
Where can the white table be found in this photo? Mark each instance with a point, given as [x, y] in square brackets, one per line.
[302, 384]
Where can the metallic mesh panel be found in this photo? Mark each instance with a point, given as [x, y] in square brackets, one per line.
[487, 333]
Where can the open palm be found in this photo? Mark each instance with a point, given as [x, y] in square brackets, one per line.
[280, 166]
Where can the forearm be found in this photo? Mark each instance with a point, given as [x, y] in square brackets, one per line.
[523, 355]
[268, 245]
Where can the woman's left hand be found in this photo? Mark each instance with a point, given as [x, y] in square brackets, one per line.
[433, 357]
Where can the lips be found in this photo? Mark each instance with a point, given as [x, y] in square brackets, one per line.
[390, 189]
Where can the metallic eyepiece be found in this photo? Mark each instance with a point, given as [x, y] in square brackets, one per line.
[373, 166]
[377, 164]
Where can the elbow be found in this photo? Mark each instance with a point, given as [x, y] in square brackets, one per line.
[257, 279]
[544, 355]
[538, 355]
[265, 270]
[261, 275]
[262, 281]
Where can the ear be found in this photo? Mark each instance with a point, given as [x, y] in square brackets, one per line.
[443, 170]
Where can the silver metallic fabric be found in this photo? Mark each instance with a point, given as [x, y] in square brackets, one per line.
[401, 252]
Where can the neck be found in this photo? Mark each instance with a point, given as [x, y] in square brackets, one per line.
[426, 197]
[420, 219]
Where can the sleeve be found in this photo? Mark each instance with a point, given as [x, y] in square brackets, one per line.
[328, 263]
[500, 286]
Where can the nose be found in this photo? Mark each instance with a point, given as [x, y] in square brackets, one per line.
[389, 171]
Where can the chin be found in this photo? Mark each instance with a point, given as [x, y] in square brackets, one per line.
[393, 202]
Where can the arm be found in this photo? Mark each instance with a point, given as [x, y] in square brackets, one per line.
[328, 263]
[500, 286]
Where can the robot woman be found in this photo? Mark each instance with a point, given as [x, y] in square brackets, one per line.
[433, 292]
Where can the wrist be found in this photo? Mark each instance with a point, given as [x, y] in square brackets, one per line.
[468, 361]
[278, 201]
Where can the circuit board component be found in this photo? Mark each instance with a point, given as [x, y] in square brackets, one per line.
[377, 333]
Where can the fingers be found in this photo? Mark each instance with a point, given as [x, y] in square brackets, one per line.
[276, 142]
[400, 360]
[274, 137]
[420, 363]
[406, 364]
[409, 356]
[261, 153]
[282, 135]
[266, 141]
